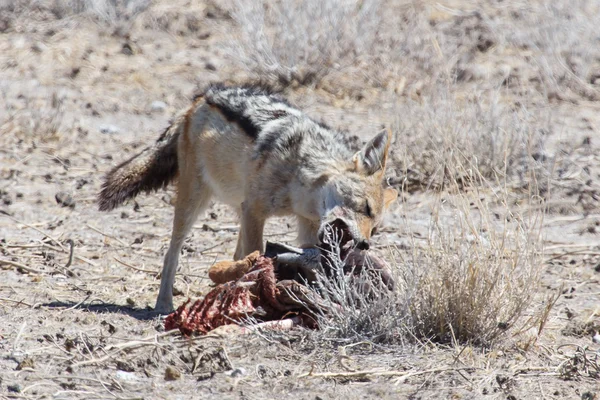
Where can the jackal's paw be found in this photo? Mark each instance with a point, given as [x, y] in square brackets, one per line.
[163, 308]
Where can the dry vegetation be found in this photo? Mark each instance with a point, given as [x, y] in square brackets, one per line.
[495, 110]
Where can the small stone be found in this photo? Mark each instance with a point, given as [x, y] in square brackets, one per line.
[124, 366]
[126, 376]
[74, 72]
[172, 374]
[158, 106]
[15, 388]
[26, 363]
[596, 338]
[81, 183]
[205, 376]
[38, 47]
[109, 129]
[127, 49]
[65, 199]
[236, 373]
[588, 396]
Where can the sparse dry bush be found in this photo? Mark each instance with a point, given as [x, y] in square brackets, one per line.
[478, 272]
[107, 11]
[449, 137]
[408, 45]
[337, 43]
[393, 45]
[38, 121]
[562, 38]
[474, 279]
[361, 308]
[290, 41]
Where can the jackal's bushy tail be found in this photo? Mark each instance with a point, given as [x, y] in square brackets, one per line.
[154, 168]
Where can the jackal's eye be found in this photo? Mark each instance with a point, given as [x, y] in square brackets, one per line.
[368, 211]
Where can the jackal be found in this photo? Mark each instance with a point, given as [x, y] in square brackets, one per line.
[254, 151]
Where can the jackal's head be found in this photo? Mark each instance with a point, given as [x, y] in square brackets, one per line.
[354, 200]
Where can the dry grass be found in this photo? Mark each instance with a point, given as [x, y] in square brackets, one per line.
[449, 137]
[361, 308]
[562, 40]
[38, 121]
[410, 45]
[108, 11]
[473, 280]
[477, 274]
[289, 42]
[343, 42]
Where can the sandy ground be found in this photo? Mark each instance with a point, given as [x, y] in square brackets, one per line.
[77, 99]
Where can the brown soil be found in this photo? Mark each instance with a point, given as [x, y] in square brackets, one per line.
[78, 97]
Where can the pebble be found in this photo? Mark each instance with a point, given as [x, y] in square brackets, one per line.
[172, 374]
[596, 338]
[15, 388]
[109, 129]
[65, 199]
[126, 376]
[235, 373]
[158, 106]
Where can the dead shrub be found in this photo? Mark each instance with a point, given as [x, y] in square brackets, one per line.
[361, 307]
[474, 280]
[40, 121]
[448, 134]
[478, 272]
[106, 11]
[562, 40]
[288, 41]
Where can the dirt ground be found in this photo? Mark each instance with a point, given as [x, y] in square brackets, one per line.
[77, 97]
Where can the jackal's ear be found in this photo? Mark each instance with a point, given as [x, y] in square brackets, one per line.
[373, 156]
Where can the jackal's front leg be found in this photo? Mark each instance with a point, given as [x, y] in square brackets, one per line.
[192, 197]
[239, 247]
[251, 229]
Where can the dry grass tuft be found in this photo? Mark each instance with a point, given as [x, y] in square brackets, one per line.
[39, 121]
[408, 46]
[106, 11]
[562, 40]
[375, 315]
[290, 42]
[477, 274]
[449, 137]
[474, 280]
